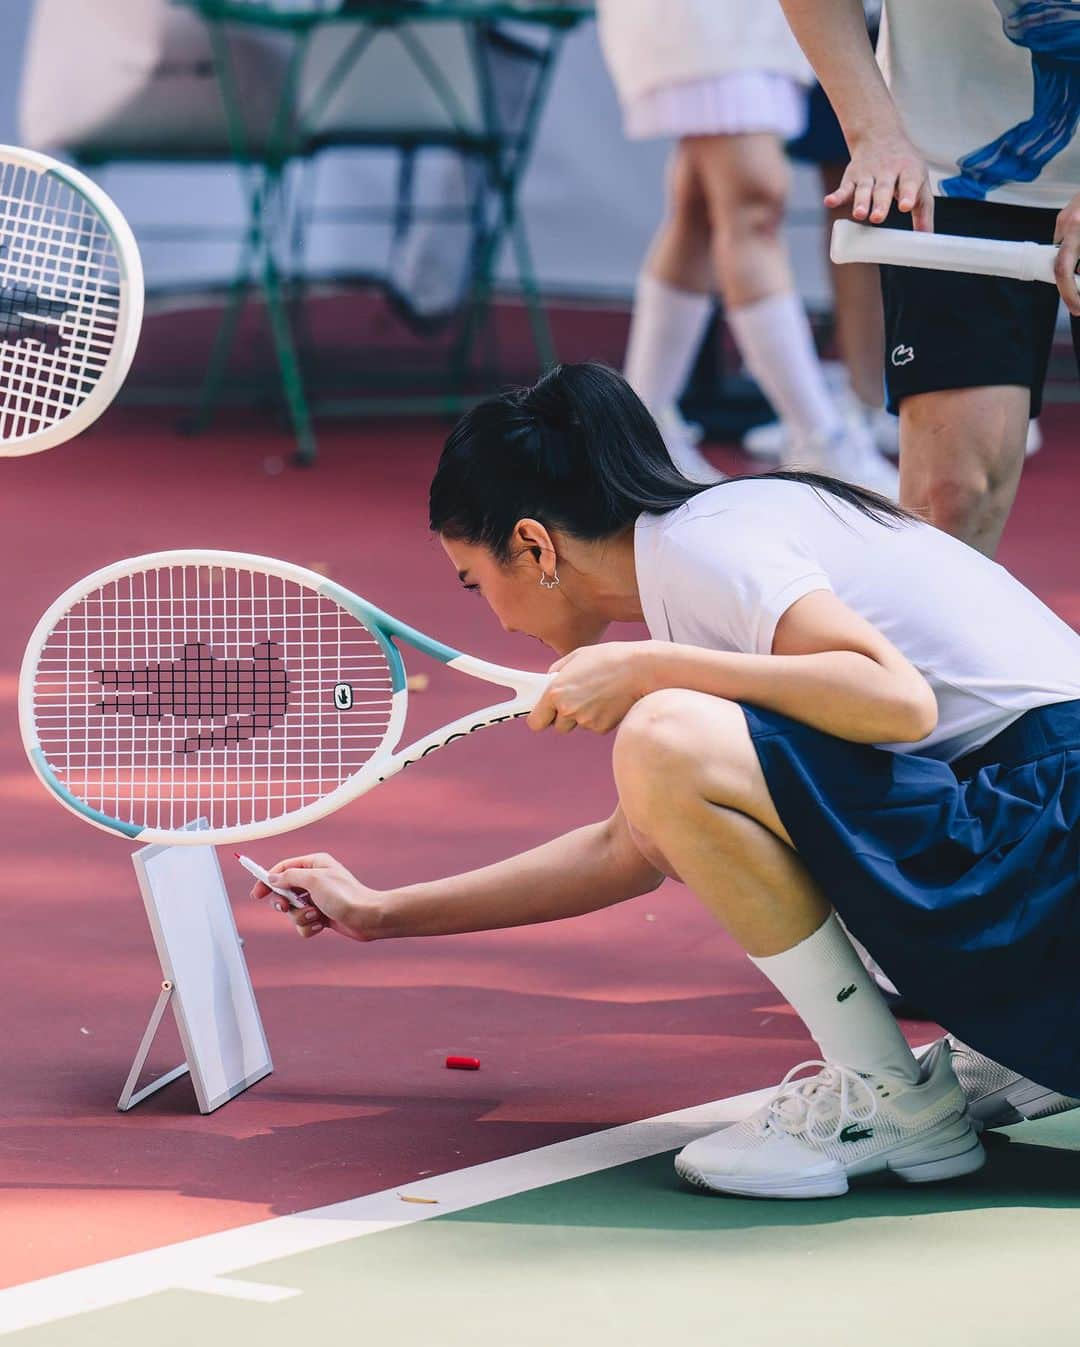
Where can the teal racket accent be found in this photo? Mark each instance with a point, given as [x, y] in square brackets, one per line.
[73, 802]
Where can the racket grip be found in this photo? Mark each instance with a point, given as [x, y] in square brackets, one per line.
[853, 242]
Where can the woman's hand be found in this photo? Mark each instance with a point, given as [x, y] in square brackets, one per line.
[338, 899]
[1067, 234]
[595, 686]
[884, 166]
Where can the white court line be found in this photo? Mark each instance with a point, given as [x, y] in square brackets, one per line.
[235, 1289]
[199, 1263]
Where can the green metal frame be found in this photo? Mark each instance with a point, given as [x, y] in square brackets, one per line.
[273, 228]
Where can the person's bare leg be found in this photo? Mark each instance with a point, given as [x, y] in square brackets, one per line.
[693, 793]
[680, 254]
[860, 323]
[746, 180]
[961, 455]
[673, 306]
[714, 826]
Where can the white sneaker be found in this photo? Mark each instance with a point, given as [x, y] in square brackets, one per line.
[769, 441]
[687, 457]
[998, 1097]
[818, 1132]
[772, 441]
[693, 432]
[849, 453]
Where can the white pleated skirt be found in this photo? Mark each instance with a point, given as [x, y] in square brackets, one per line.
[738, 103]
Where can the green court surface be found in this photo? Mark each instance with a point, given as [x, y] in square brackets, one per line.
[623, 1255]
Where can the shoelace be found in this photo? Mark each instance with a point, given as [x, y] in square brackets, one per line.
[821, 1105]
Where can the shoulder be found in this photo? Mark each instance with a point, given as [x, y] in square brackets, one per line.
[734, 514]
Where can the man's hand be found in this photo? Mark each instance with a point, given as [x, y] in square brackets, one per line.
[1067, 236]
[594, 687]
[884, 167]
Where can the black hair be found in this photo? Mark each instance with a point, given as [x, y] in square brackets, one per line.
[577, 451]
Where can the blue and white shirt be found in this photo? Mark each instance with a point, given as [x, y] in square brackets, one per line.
[989, 91]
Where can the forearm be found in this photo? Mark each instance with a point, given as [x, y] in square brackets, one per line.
[579, 872]
[833, 35]
[841, 692]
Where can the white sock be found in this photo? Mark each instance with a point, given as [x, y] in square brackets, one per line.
[774, 339]
[666, 331]
[835, 997]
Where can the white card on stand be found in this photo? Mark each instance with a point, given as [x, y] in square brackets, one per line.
[204, 976]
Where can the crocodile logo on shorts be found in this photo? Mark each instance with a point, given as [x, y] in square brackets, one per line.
[902, 355]
[846, 992]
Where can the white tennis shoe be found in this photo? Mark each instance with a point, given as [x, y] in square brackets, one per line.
[998, 1097]
[683, 449]
[819, 1131]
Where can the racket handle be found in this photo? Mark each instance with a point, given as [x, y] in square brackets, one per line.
[853, 242]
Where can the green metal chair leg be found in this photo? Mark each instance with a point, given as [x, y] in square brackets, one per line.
[221, 350]
[534, 305]
[285, 350]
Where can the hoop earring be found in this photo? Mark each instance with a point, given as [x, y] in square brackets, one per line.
[545, 583]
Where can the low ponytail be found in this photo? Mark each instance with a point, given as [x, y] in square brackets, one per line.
[577, 451]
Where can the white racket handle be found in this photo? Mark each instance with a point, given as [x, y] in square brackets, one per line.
[853, 242]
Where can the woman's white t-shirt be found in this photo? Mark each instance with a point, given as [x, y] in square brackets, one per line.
[721, 570]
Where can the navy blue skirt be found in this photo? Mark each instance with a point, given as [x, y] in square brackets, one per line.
[962, 879]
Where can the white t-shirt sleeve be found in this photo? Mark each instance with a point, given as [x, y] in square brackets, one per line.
[728, 579]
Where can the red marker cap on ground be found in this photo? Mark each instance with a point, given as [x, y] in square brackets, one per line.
[463, 1063]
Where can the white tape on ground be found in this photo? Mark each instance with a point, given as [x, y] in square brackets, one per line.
[234, 1289]
[198, 1263]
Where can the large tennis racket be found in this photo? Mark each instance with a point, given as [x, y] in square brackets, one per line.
[71, 301]
[249, 692]
[853, 242]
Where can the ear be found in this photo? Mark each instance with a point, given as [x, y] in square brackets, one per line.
[531, 537]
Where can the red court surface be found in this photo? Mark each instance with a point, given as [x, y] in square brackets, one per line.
[621, 1015]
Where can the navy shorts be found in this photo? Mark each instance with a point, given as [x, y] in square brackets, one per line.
[946, 329]
[961, 879]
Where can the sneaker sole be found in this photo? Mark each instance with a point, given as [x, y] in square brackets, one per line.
[1019, 1103]
[959, 1153]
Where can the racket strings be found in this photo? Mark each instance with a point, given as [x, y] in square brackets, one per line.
[184, 692]
[60, 300]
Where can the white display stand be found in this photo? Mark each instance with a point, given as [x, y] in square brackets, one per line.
[204, 978]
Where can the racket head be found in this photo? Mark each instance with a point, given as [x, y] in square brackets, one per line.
[71, 301]
[222, 685]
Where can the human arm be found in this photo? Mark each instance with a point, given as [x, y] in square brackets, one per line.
[884, 165]
[829, 668]
[578, 872]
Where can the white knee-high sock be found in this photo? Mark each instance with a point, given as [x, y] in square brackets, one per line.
[835, 997]
[774, 339]
[666, 330]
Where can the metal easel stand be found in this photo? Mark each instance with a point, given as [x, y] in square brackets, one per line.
[129, 1097]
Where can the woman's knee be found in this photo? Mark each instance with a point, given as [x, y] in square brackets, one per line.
[659, 745]
[755, 212]
[747, 182]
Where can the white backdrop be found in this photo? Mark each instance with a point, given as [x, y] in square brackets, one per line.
[591, 199]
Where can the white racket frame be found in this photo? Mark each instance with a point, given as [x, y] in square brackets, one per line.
[387, 760]
[129, 316]
[851, 242]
